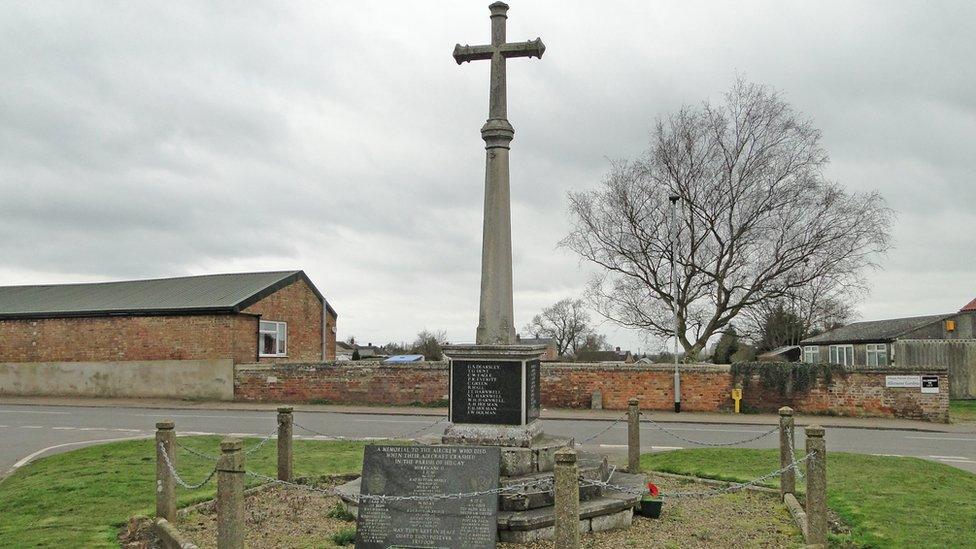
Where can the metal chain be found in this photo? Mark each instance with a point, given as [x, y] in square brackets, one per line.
[657, 425]
[406, 435]
[196, 453]
[261, 443]
[799, 472]
[176, 476]
[611, 426]
[708, 493]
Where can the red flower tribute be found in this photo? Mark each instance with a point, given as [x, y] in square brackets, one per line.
[652, 488]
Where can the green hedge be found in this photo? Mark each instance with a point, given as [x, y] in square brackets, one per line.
[778, 375]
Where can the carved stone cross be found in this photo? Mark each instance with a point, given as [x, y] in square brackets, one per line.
[496, 322]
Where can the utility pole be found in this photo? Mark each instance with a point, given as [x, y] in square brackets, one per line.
[674, 300]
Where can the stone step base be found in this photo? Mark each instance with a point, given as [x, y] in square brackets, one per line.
[614, 509]
[591, 466]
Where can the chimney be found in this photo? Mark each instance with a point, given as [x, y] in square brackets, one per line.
[618, 349]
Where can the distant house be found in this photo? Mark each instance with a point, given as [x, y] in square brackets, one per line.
[606, 356]
[936, 340]
[549, 342]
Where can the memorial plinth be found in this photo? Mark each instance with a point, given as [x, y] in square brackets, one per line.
[494, 394]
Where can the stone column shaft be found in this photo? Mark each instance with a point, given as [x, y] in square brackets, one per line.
[285, 430]
[816, 487]
[567, 535]
[230, 494]
[787, 481]
[165, 482]
[633, 436]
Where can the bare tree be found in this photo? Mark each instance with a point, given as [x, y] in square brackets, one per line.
[430, 344]
[757, 219]
[566, 322]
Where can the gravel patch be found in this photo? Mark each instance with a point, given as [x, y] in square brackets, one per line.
[290, 518]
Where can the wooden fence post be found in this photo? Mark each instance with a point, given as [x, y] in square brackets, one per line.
[816, 486]
[230, 494]
[285, 429]
[787, 481]
[567, 535]
[633, 436]
[165, 482]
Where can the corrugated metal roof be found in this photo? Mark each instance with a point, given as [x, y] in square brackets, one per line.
[876, 330]
[218, 293]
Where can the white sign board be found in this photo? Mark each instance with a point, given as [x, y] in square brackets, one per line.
[930, 384]
[903, 382]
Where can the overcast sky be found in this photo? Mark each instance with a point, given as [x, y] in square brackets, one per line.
[144, 139]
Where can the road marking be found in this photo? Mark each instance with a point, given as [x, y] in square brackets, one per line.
[949, 457]
[889, 455]
[31, 457]
[956, 460]
[33, 412]
[2, 425]
[242, 434]
[944, 438]
[64, 428]
[613, 446]
[31, 427]
[667, 448]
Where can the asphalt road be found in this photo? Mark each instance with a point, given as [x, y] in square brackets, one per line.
[28, 432]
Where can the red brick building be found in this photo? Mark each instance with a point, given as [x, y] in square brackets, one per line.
[247, 317]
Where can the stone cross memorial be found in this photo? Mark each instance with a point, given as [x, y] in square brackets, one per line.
[494, 437]
[494, 393]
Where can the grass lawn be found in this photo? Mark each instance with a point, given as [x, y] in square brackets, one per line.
[81, 498]
[887, 501]
[962, 411]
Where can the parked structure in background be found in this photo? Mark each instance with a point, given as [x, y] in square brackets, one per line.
[615, 355]
[404, 359]
[788, 353]
[947, 340]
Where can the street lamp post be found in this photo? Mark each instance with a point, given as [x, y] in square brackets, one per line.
[674, 301]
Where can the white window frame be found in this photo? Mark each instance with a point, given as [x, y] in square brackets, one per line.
[875, 351]
[280, 331]
[842, 354]
[811, 351]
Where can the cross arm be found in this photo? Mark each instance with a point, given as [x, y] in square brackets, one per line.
[532, 48]
[472, 53]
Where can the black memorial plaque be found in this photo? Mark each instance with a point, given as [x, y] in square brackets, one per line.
[428, 471]
[533, 394]
[486, 391]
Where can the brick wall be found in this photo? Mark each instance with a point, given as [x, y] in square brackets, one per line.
[704, 388]
[95, 339]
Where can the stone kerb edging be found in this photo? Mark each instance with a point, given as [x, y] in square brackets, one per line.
[170, 536]
[797, 512]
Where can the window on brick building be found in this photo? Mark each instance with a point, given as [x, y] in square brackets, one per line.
[877, 354]
[811, 354]
[273, 338]
[842, 354]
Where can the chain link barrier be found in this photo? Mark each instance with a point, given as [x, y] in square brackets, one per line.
[611, 426]
[791, 438]
[177, 477]
[407, 436]
[660, 427]
[730, 489]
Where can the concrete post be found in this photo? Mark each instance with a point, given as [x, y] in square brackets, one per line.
[567, 535]
[165, 482]
[816, 486]
[633, 436]
[787, 481]
[230, 494]
[285, 429]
